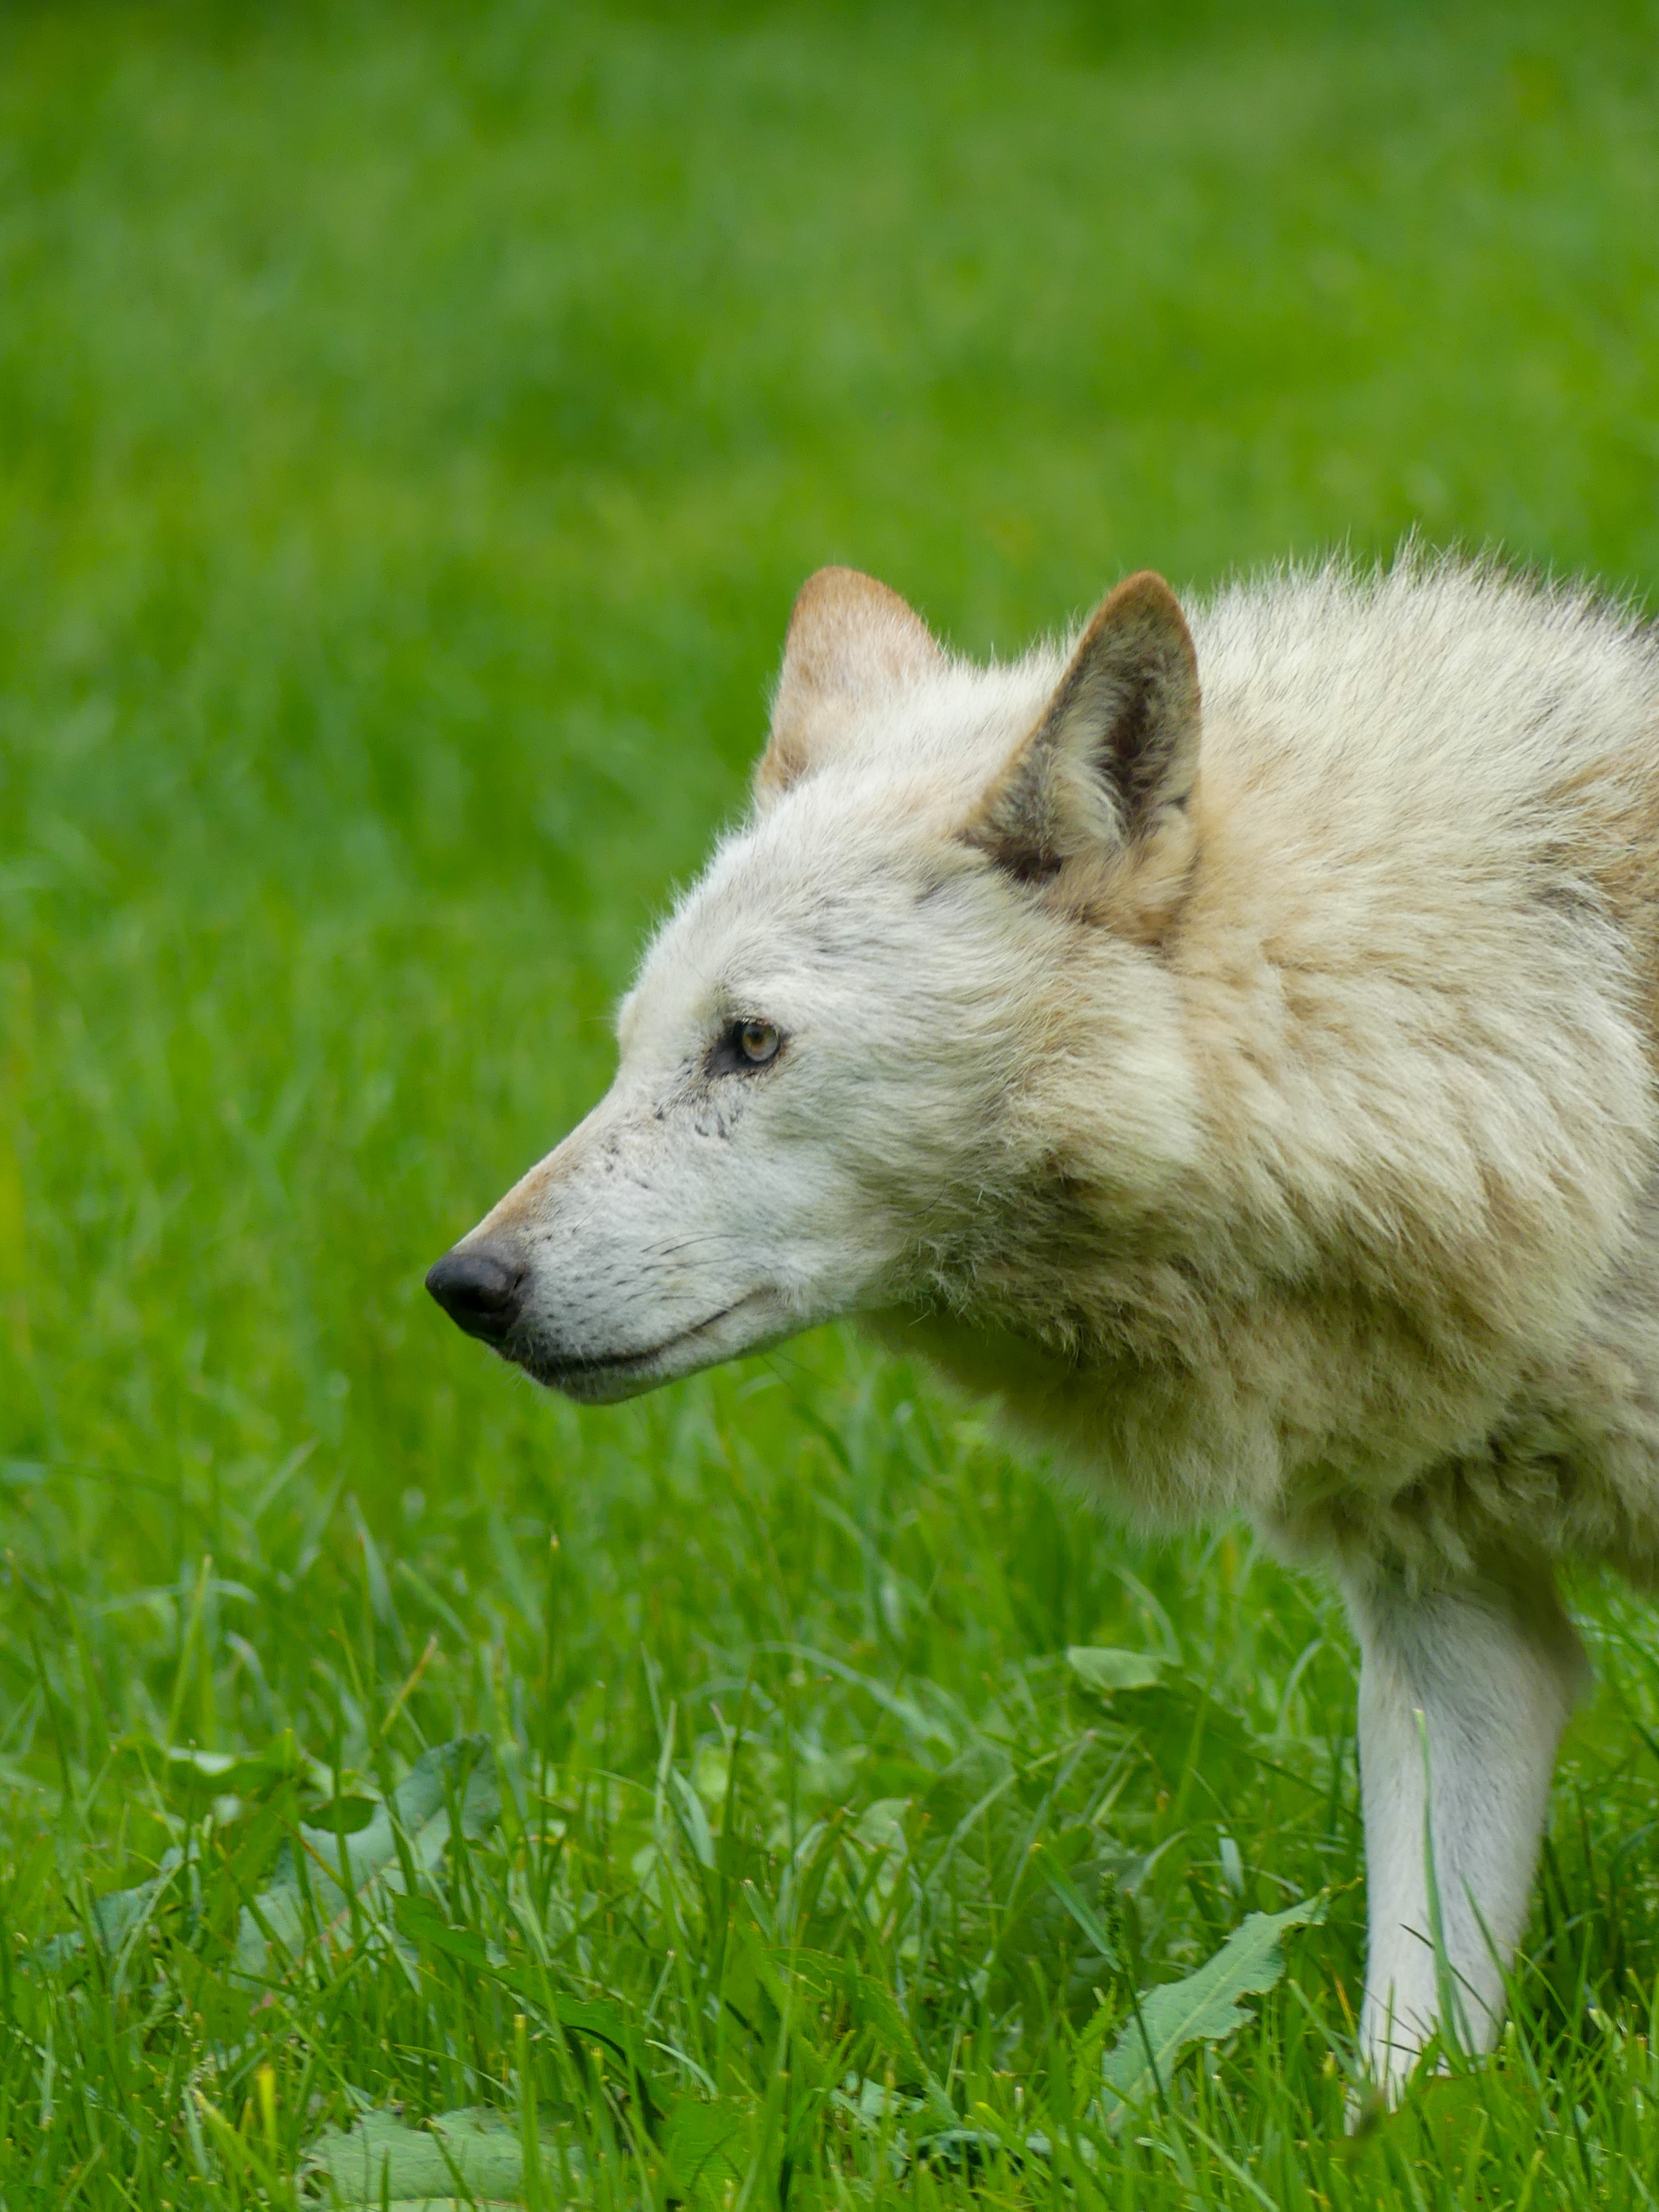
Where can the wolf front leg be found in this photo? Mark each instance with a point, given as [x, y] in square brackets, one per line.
[1463, 1693]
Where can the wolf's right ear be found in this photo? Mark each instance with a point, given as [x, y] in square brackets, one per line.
[851, 644]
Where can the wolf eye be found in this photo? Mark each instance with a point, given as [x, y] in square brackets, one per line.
[745, 1047]
[757, 1042]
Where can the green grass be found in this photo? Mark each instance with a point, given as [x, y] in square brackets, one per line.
[415, 421]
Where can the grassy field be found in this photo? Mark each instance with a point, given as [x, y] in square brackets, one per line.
[415, 422]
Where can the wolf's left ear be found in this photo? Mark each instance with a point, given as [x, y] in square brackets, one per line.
[1115, 754]
[851, 644]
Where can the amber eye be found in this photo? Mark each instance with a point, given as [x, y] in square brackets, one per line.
[745, 1047]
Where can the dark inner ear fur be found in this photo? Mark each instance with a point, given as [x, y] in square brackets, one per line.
[1116, 750]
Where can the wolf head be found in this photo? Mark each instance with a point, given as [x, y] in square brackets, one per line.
[909, 1043]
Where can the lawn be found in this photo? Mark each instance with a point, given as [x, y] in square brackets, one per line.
[415, 421]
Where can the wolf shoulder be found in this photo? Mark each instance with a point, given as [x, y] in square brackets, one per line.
[1445, 739]
[1444, 775]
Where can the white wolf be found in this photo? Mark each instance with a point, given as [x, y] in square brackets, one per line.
[1258, 1095]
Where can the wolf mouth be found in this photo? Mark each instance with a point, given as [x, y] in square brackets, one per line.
[611, 1368]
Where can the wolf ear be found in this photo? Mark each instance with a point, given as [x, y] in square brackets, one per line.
[851, 643]
[1116, 752]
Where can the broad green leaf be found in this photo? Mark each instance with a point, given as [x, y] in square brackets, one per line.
[421, 1921]
[1101, 1668]
[196, 1778]
[927, 2128]
[592, 2019]
[869, 2004]
[344, 1816]
[706, 2149]
[1204, 2008]
[114, 1918]
[599, 2022]
[380, 2160]
[366, 1864]
[966, 2149]
[187, 1777]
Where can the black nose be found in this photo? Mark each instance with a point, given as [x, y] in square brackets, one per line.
[481, 1288]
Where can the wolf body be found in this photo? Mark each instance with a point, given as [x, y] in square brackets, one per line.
[1230, 1038]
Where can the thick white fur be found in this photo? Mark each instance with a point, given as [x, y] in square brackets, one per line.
[1279, 1143]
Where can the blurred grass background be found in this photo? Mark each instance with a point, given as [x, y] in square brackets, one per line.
[415, 421]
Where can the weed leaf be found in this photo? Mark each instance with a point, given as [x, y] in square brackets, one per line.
[870, 2006]
[1100, 1668]
[706, 2149]
[113, 1918]
[366, 1864]
[380, 2160]
[1204, 2008]
[422, 1920]
[194, 1778]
